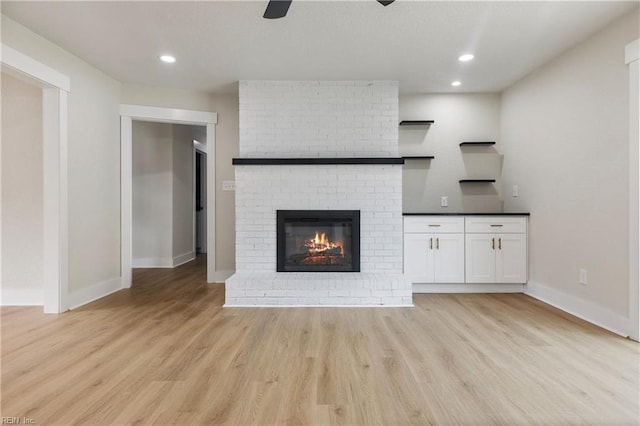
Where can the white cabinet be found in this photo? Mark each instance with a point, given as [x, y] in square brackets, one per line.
[496, 249]
[434, 249]
[466, 249]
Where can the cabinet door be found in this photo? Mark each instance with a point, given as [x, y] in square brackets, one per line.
[480, 262]
[448, 258]
[511, 258]
[418, 257]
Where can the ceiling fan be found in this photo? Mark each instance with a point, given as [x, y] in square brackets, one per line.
[278, 8]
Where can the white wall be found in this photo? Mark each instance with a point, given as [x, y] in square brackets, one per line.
[94, 159]
[458, 118]
[22, 193]
[565, 141]
[163, 204]
[183, 187]
[227, 146]
[152, 226]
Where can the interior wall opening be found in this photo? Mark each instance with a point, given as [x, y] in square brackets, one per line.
[22, 276]
[165, 200]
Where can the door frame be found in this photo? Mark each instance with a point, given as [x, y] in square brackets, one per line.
[632, 59]
[55, 91]
[198, 148]
[129, 113]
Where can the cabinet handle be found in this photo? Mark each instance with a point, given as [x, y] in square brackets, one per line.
[430, 243]
[438, 243]
[497, 226]
[500, 243]
[493, 243]
[434, 226]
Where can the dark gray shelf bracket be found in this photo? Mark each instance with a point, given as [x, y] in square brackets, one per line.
[477, 180]
[477, 143]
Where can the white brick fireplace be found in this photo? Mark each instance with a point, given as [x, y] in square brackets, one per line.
[319, 119]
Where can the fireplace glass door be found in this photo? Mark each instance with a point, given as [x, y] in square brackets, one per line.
[318, 241]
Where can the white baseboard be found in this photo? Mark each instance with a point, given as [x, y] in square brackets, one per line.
[163, 262]
[580, 308]
[221, 276]
[21, 298]
[468, 288]
[86, 295]
[183, 258]
[152, 262]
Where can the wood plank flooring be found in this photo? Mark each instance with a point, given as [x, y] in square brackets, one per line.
[166, 352]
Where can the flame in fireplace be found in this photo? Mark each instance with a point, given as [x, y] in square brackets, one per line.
[320, 243]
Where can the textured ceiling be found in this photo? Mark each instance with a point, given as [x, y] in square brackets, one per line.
[416, 42]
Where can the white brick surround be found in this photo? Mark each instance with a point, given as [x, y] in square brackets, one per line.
[318, 119]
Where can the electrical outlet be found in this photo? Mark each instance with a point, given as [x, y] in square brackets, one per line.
[583, 277]
[228, 185]
[514, 191]
[444, 201]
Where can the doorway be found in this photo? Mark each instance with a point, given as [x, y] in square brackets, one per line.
[163, 178]
[55, 89]
[200, 179]
[129, 113]
[22, 193]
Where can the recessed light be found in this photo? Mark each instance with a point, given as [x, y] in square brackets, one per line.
[455, 83]
[466, 57]
[168, 59]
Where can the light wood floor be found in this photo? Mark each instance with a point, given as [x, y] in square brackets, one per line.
[166, 352]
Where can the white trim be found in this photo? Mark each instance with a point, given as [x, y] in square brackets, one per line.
[55, 171]
[152, 262]
[164, 115]
[183, 258]
[632, 51]
[194, 210]
[211, 201]
[226, 305]
[468, 288]
[632, 56]
[168, 115]
[126, 200]
[45, 76]
[221, 276]
[580, 308]
[94, 292]
[9, 297]
[200, 147]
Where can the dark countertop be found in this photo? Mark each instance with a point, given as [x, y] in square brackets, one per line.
[467, 214]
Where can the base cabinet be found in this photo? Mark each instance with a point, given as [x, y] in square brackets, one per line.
[434, 250]
[496, 258]
[434, 258]
[466, 249]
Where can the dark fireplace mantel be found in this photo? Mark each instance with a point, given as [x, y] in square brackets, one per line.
[315, 161]
[318, 240]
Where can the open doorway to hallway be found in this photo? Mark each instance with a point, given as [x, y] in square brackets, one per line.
[22, 276]
[200, 199]
[166, 203]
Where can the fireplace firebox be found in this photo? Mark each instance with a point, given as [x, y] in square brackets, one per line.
[318, 240]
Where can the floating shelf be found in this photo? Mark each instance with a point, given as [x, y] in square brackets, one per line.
[477, 180]
[426, 157]
[315, 160]
[477, 143]
[416, 122]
